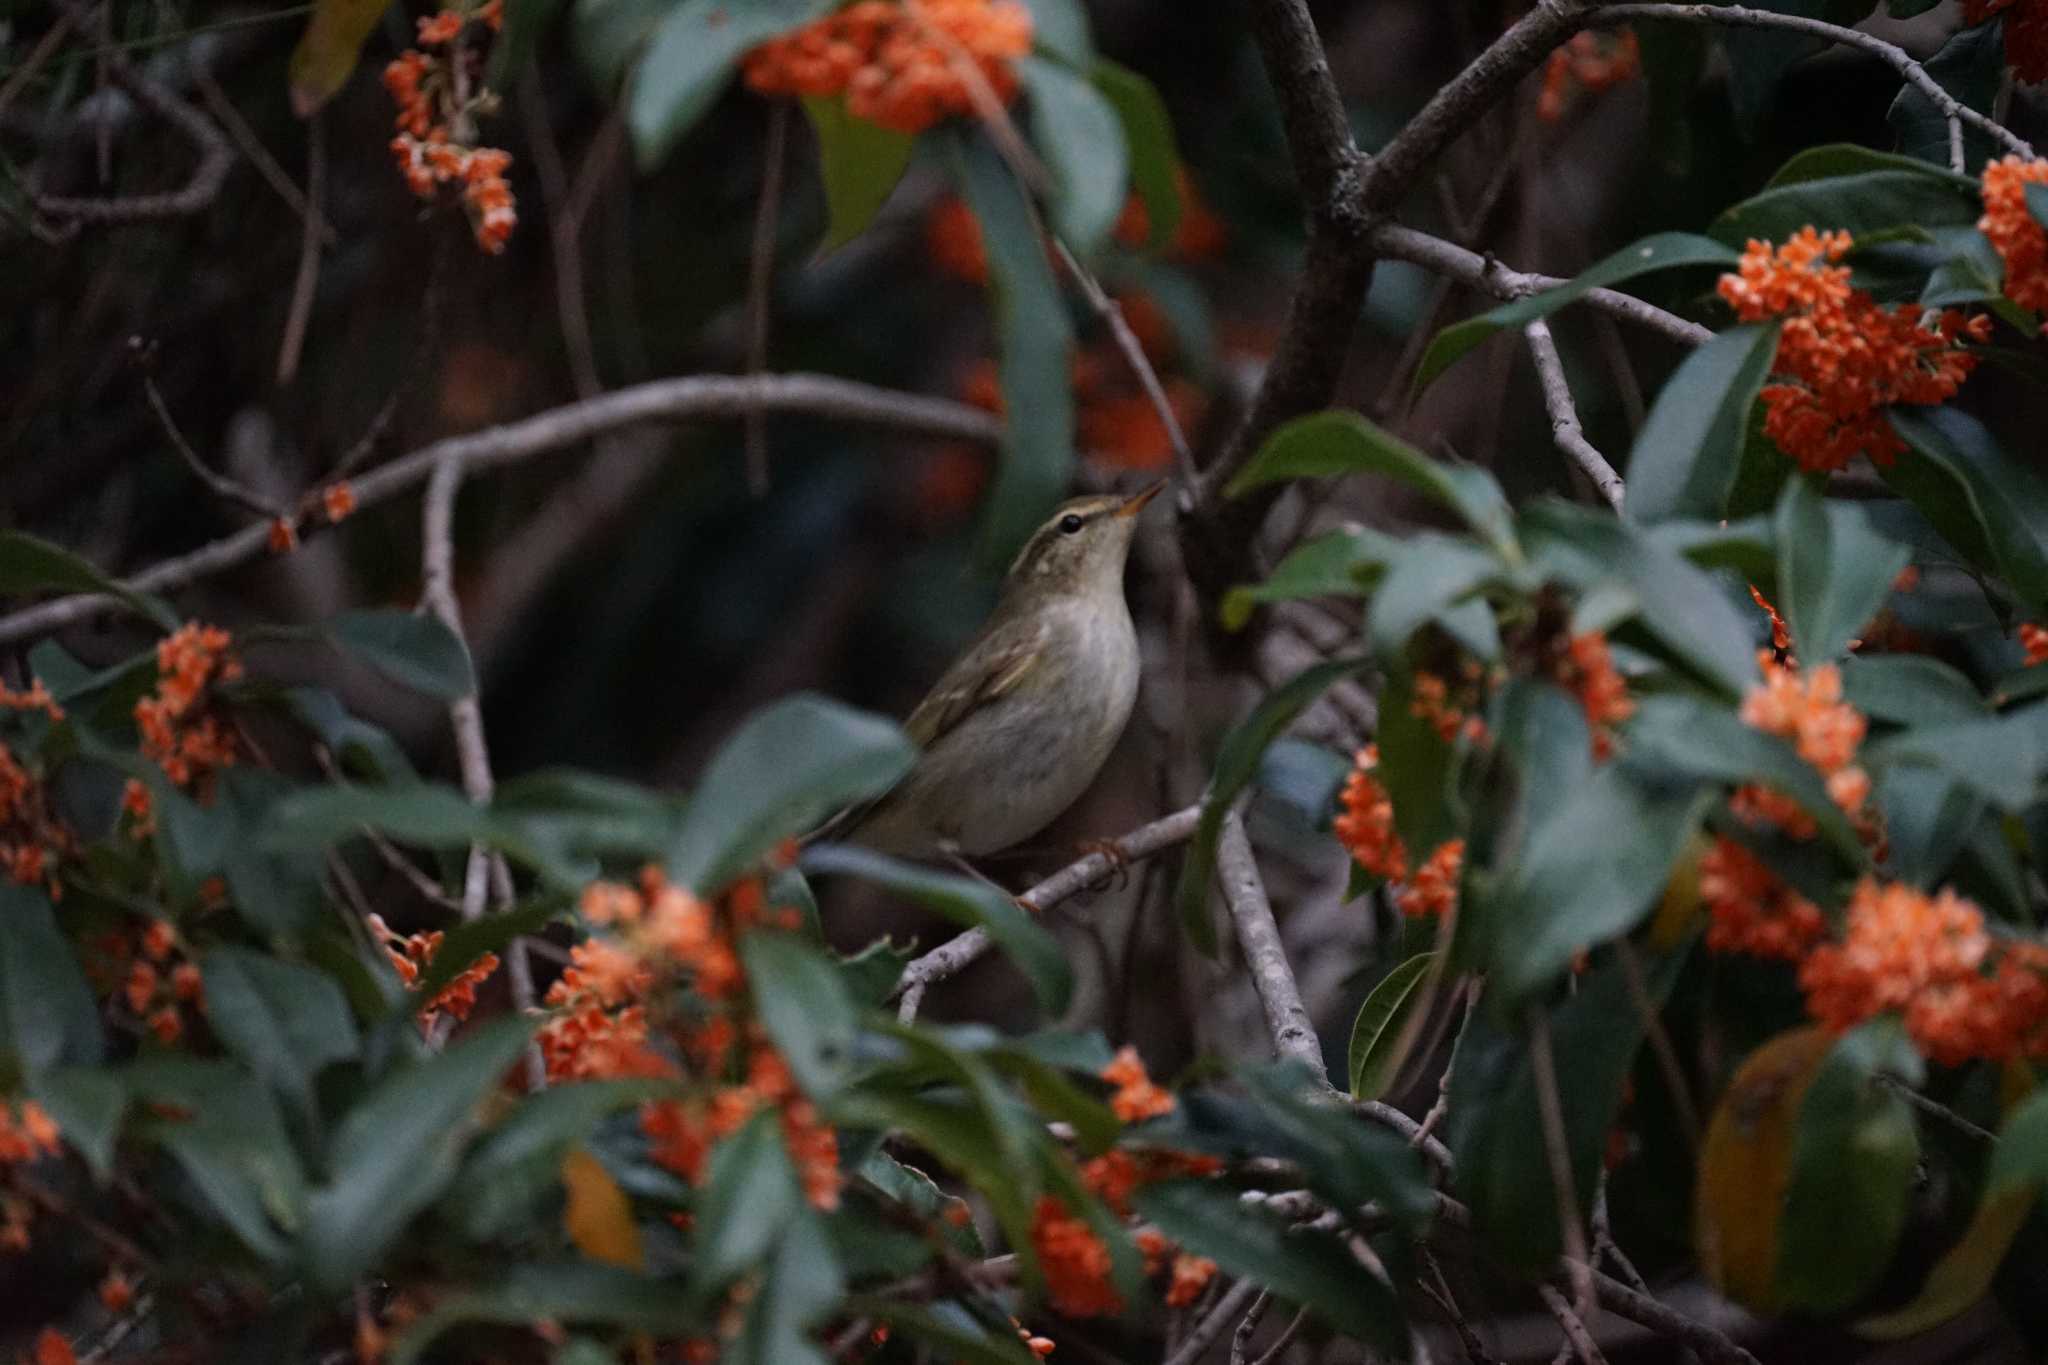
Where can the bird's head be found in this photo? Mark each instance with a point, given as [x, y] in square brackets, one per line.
[1081, 547]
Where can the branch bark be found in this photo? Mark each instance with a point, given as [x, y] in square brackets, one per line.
[1564, 415]
[1287, 1019]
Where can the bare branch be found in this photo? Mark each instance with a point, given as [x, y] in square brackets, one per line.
[1133, 352]
[251, 146]
[1564, 415]
[308, 278]
[223, 486]
[1205, 1333]
[1294, 1034]
[1557, 1149]
[953, 955]
[1891, 54]
[572, 424]
[1578, 1341]
[1241, 1339]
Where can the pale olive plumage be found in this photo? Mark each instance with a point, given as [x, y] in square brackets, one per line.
[1020, 724]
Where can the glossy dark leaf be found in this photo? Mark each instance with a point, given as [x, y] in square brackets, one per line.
[1851, 188]
[1989, 506]
[413, 649]
[1968, 66]
[689, 58]
[285, 1021]
[1077, 131]
[860, 163]
[799, 1288]
[1432, 575]
[1909, 689]
[517, 1164]
[806, 1008]
[1684, 460]
[1059, 28]
[47, 1015]
[1379, 1024]
[87, 1103]
[29, 564]
[1336, 564]
[566, 1292]
[1834, 571]
[1148, 137]
[750, 1196]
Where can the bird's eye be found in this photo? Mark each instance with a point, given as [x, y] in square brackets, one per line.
[1070, 523]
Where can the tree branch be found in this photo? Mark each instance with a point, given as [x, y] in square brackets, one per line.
[953, 955]
[1210, 1328]
[1564, 415]
[668, 400]
[1294, 1034]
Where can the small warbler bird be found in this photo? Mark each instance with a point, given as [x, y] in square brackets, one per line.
[1018, 727]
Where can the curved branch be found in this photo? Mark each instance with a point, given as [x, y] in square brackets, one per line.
[216, 157]
[1294, 1033]
[667, 400]
[1564, 415]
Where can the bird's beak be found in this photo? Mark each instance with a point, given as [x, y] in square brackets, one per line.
[1135, 503]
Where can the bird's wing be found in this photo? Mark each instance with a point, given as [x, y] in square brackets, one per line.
[989, 670]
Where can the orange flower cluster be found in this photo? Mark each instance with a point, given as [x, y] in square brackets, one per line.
[1447, 713]
[1962, 993]
[602, 1024]
[904, 66]
[27, 1133]
[1587, 671]
[2021, 242]
[32, 840]
[1075, 1261]
[1137, 1097]
[434, 95]
[2026, 33]
[1841, 357]
[1591, 62]
[156, 980]
[1781, 634]
[1807, 709]
[180, 733]
[1366, 828]
[2034, 639]
[52, 1348]
[1750, 910]
[410, 954]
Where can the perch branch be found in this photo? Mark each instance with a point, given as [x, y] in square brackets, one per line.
[1564, 415]
[1294, 1035]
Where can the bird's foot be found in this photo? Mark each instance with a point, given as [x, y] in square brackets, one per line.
[1113, 854]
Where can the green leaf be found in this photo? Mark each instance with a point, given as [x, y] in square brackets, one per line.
[1928, 816]
[1059, 28]
[800, 1286]
[1076, 129]
[230, 1142]
[806, 1008]
[2000, 758]
[1148, 138]
[750, 1196]
[1834, 571]
[791, 764]
[87, 1103]
[1907, 689]
[362, 750]
[1661, 251]
[328, 49]
[1969, 67]
[1312, 1268]
[1237, 762]
[29, 564]
[1432, 576]
[1324, 444]
[691, 55]
[1684, 460]
[1990, 507]
[1336, 564]
[1379, 1025]
[518, 1163]
[948, 1337]
[286, 1021]
[564, 1292]
[972, 903]
[47, 1015]
[1852, 1171]
[397, 1149]
[1842, 186]
[1036, 343]
[860, 163]
[414, 650]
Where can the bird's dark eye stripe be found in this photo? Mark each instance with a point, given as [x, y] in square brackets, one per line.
[1071, 523]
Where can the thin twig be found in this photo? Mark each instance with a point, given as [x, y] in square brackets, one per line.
[1285, 1339]
[1934, 1108]
[1564, 415]
[1204, 1333]
[1442, 1104]
[1578, 1340]
[1661, 1046]
[1133, 352]
[761, 286]
[956, 953]
[223, 487]
[1557, 1150]
[1438, 1287]
[308, 278]
[40, 53]
[1604, 1245]
[1891, 54]
[1287, 1019]
[252, 147]
[572, 424]
[1241, 1339]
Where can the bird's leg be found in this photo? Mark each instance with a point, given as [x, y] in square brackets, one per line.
[1112, 853]
[950, 851]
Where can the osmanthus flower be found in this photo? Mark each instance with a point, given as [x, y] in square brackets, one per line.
[1842, 359]
[2034, 640]
[438, 89]
[1962, 992]
[1366, 829]
[1806, 708]
[1751, 910]
[33, 841]
[1587, 671]
[1592, 61]
[904, 66]
[2020, 241]
[2026, 33]
[411, 954]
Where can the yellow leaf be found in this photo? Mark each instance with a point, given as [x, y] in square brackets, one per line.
[598, 1219]
[328, 49]
[1679, 909]
[1746, 1165]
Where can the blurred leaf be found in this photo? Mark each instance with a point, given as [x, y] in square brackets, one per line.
[1313, 1269]
[463, 945]
[1927, 817]
[1148, 139]
[1854, 189]
[1745, 1166]
[1433, 575]
[920, 1194]
[361, 749]
[224, 1131]
[972, 903]
[1661, 251]
[518, 1162]
[1323, 444]
[806, 1008]
[284, 1020]
[598, 1218]
[1379, 1025]
[414, 650]
[29, 565]
[579, 815]
[1969, 67]
[87, 1103]
[518, 39]
[948, 1338]
[397, 1149]
[1989, 506]
[1834, 571]
[1852, 1170]
[1909, 688]
[2001, 757]
[800, 1286]
[1335, 564]
[750, 1194]
[1684, 459]
[328, 49]
[872, 973]
[860, 163]
[565, 1292]
[688, 60]
[1237, 762]
[791, 764]
[1035, 339]
[47, 1014]
[1060, 29]
[1077, 131]
[956, 1128]
[1416, 767]
[608, 34]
